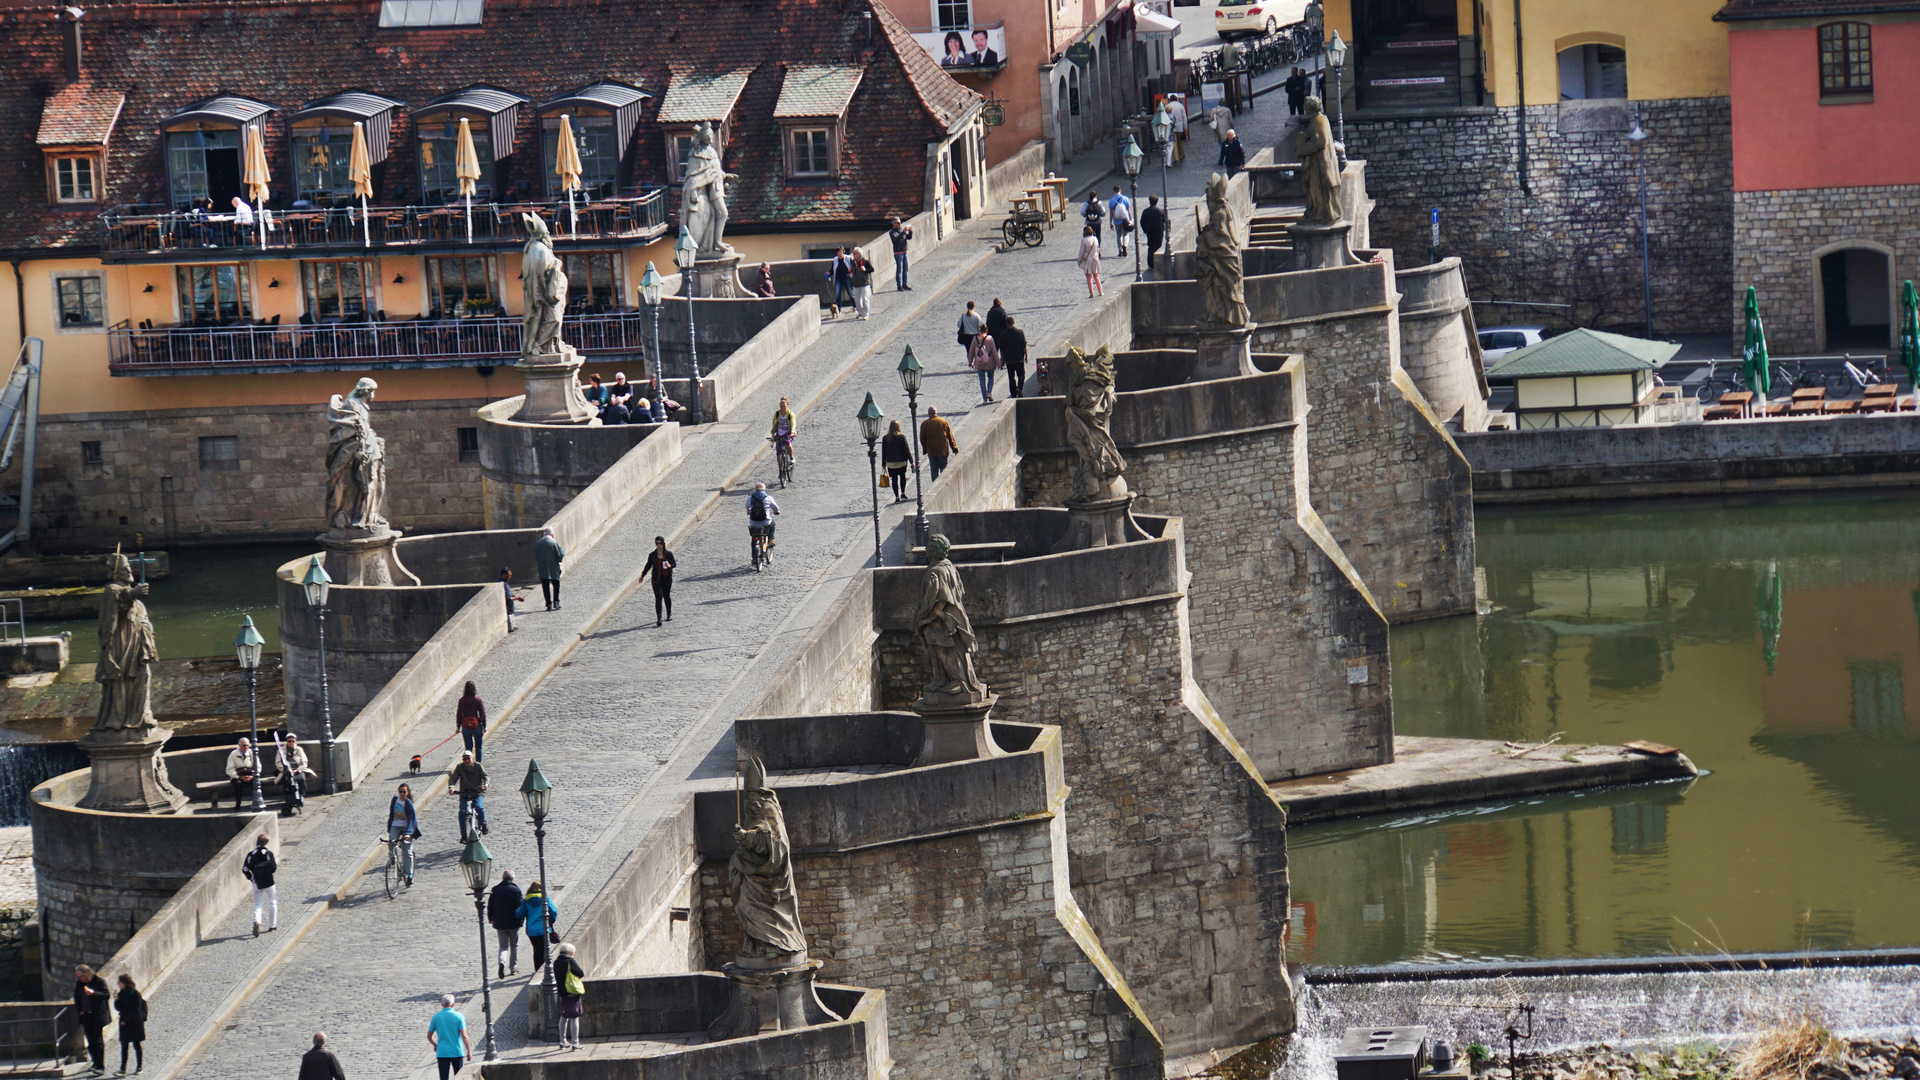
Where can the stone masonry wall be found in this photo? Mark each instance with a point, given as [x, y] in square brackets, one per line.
[151, 478]
[1278, 627]
[1777, 233]
[979, 946]
[1576, 239]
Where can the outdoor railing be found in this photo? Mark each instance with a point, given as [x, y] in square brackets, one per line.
[35, 1040]
[474, 342]
[154, 230]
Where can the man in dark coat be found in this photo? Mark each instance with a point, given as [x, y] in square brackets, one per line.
[1153, 226]
[1013, 353]
[547, 554]
[90, 1004]
[321, 1063]
[503, 913]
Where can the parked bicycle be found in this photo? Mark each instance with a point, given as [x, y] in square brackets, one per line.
[1718, 381]
[1288, 45]
[1870, 371]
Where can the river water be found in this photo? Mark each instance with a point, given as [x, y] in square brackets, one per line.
[1777, 643]
[197, 607]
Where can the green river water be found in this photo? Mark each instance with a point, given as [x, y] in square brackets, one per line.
[197, 607]
[1777, 643]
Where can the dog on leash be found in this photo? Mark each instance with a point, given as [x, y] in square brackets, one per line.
[414, 765]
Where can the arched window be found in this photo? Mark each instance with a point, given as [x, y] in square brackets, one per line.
[1846, 58]
[1593, 71]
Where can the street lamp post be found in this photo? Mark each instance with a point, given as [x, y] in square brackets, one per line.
[1131, 158]
[870, 417]
[1163, 142]
[477, 863]
[685, 254]
[910, 382]
[246, 648]
[1337, 59]
[316, 583]
[650, 292]
[1638, 136]
[538, 795]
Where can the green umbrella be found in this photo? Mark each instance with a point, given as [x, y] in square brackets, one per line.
[1766, 601]
[1910, 333]
[1755, 368]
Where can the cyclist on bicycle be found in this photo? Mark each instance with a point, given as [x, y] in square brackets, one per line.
[784, 429]
[469, 780]
[403, 827]
[761, 510]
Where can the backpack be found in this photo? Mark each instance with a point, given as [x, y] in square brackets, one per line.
[757, 506]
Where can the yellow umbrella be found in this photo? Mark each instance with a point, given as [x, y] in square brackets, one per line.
[466, 168]
[256, 177]
[566, 165]
[361, 173]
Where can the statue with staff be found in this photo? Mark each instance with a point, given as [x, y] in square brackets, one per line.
[543, 282]
[760, 876]
[127, 654]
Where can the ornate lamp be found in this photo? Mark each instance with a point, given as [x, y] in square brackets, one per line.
[910, 382]
[650, 285]
[684, 252]
[909, 373]
[247, 646]
[316, 583]
[870, 418]
[1131, 158]
[477, 864]
[1162, 124]
[537, 792]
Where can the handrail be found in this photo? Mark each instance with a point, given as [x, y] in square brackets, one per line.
[478, 341]
[145, 228]
[59, 1028]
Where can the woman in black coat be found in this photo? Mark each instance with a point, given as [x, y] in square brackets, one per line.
[897, 456]
[133, 1023]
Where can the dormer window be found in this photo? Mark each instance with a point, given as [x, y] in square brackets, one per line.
[203, 150]
[75, 126]
[812, 113]
[491, 115]
[602, 118]
[322, 143]
[691, 100]
[73, 177]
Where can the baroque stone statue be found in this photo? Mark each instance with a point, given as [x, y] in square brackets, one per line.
[1218, 252]
[1090, 400]
[356, 463]
[943, 629]
[703, 197]
[760, 876]
[1322, 161]
[127, 653]
[544, 289]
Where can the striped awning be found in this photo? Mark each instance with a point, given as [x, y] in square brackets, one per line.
[625, 102]
[225, 109]
[374, 111]
[500, 107]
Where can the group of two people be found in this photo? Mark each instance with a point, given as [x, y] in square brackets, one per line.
[94, 1004]
[992, 342]
[290, 772]
[851, 273]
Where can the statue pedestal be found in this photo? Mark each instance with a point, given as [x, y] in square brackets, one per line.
[1225, 353]
[1093, 523]
[769, 999]
[715, 278]
[553, 389]
[129, 775]
[1321, 247]
[365, 557]
[955, 728]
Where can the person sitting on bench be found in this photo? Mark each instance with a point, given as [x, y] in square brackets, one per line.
[242, 766]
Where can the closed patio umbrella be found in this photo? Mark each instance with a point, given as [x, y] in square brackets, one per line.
[566, 165]
[1910, 334]
[361, 174]
[1755, 368]
[466, 168]
[255, 177]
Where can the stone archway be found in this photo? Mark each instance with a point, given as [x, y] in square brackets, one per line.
[1853, 298]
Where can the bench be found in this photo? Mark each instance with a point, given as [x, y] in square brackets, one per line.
[1777, 408]
[993, 551]
[1882, 390]
[1877, 404]
[223, 787]
[1844, 405]
[1804, 408]
[1739, 399]
[1721, 412]
[1810, 393]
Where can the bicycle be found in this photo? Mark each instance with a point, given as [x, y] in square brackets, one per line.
[757, 544]
[469, 814]
[394, 878]
[1714, 383]
[783, 453]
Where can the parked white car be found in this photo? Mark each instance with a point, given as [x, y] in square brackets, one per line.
[1498, 341]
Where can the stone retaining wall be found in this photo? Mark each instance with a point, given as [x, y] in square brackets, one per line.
[1778, 237]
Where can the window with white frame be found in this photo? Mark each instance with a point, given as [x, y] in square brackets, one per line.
[953, 14]
[81, 301]
[812, 151]
[75, 177]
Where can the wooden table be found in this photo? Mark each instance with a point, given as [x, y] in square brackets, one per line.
[1739, 399]
[1810, 393]
[1882, 390]
[1029, 202]
[1778, 408]
[1059, 186]
[1721, 412]
[1045, 196]
[1804, 408]
[1844, 405]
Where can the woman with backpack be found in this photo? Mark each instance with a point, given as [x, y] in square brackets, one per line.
[470, 720]
[133, 1024]
[983, 356]
[1092, 213]
[573, 995]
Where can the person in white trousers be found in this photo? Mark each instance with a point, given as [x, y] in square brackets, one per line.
[259, 868]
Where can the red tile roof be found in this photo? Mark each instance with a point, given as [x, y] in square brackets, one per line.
[81, 114]
[164, 57]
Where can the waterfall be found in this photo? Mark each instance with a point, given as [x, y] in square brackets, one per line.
[24, 767]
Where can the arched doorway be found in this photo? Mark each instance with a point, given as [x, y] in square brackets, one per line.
[1856, 293]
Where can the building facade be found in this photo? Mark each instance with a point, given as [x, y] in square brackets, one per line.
[174, 318]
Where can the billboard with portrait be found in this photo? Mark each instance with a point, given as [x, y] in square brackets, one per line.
[957, 50]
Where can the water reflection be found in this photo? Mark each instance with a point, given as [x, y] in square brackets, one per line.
[1778, 644]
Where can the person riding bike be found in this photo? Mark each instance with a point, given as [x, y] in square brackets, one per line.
[468, 779]
[784, 429]
[403, 825]
[761, 510]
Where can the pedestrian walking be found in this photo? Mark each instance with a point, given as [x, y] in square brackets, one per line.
[468, 780]
[447, 1034]
[572, 981]
[971, 326]
[896, 455]
[290, 765]
[470, 721]
[660, 564]
[1093, 213]
[1089, 261]
[403, 823]
[1153, 226]
[937, 442]
[321, 1063]
[133, 1024]
[1232, 155]
[996, 319]
[901, 235]
[1177, 113]
[1013, 355]
[1296, 88]
[259, 867]
[538, 913]
[503, 914]
[90, 1006]
[840, 272]
[861, 277]
[1120, 211]
[547, 556]
[243, 764]
[984, 358]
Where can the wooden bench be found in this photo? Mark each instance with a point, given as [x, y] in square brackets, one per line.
[1739, 399]
[1844, 405]
[1778, 408]
[993, 551]
[1804, 408]
[1721, 412]
[223, 787]
[1810, 393]
[1877, 404]
[1882, 390]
